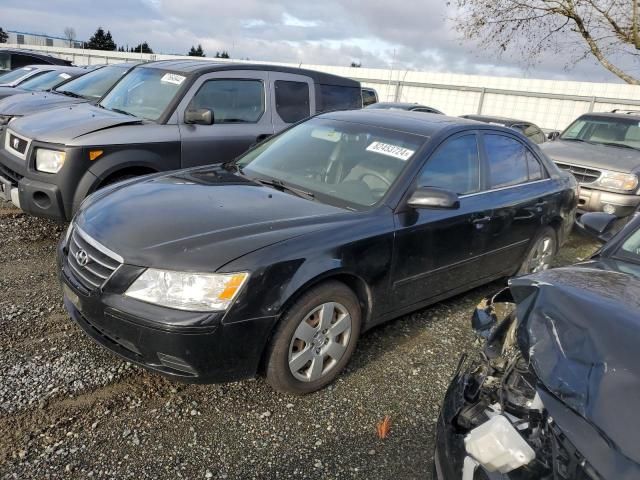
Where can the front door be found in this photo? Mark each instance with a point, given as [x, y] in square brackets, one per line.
[437, 251]
[239, 101]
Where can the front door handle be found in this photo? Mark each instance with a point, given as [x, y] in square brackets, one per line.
[481, 220]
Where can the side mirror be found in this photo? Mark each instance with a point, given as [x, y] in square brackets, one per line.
[553, 135]
[598, 225]
[431, 197]
[199, 116]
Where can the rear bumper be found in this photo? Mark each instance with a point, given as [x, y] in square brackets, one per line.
[592, 200]
[190, 347]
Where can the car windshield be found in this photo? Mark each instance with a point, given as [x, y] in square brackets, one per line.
[623, 132]
[14, 75]
[144, 93]
[94, 84]
[341, 163]
[45, 81]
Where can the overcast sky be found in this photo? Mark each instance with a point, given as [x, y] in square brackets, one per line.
[334, 32]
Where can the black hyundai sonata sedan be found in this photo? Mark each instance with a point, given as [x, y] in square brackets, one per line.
[276, 262]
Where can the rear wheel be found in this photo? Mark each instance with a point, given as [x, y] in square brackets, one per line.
[541, 252]
[314, 340]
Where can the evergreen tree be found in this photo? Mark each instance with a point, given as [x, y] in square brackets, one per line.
[4, 36]
[142, 48]
[223, 54]
[101, 41]
[196, 52]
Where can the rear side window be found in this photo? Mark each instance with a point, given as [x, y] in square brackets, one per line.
[369, 97]
[455, 166]
[231, 101]
[510, 162]
[533, 133]
[292, 100]
[334, 97]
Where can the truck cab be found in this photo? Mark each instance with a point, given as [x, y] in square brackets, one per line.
[161, 116]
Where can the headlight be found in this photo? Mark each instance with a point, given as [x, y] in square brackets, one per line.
[67, 235]
[618, 181]
[49, 161]
[4, 119]
[188, 291]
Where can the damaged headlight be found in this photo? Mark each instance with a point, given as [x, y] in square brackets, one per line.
[188, 291]
[626, 182]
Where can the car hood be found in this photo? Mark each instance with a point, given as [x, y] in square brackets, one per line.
[593, 155]
[31, 102]
[198, 220]
[8, 91]
[580, 328]
[57, 126]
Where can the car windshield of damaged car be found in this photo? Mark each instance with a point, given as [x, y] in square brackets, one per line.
[341, 163]
[144, 93]
[630, 248]
[615, 132]
[44, 81]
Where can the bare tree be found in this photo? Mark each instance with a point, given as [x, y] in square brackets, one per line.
[605, 29]
[70, 35]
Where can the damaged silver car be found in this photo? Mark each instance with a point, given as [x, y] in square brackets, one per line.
[554, 393]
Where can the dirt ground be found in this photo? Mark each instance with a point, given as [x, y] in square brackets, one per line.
[70, 409]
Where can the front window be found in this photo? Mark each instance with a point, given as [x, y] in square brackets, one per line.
[144, 93]
[231, 100]
[14, 75]
[620, 132]
[342, 163]
[630, 249]
[45, 81]
[94, 84]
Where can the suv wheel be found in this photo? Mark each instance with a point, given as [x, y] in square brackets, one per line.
[541, 252]
[314, 340]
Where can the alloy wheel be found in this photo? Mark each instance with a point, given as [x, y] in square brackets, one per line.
[319, 341]
[541, 255]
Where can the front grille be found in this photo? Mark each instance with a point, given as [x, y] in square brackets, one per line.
[90, 263]
[583, 175]
[18, 144]
[11, 175]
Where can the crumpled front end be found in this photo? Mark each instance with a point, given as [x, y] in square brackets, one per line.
[522, 408]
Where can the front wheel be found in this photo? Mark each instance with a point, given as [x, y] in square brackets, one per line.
[541, 252]
[314, 340]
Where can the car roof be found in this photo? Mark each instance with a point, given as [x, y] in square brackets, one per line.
[417, 123]
[495, 118]
[398, 105]
[36, 55]
[200, 67]
[614, 115]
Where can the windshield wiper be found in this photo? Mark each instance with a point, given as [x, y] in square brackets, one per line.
[614, 144]
[68, 93]
[577, 140]
[117, 110]
[280, 185]
[234, 165]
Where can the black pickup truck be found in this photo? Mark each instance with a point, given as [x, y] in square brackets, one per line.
[161, 116]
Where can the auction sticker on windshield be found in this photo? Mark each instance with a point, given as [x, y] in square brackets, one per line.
[390, 150]
[172, 78]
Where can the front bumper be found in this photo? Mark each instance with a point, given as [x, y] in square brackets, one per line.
[592, 200]
[185, 346]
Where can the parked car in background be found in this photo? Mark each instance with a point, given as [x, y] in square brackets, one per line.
[13, 78]
[369, 96]
[87, 88]
[556, 391]
[602, 150]
[281, 258]
[412, 107]
[161, 116]
[52, 78]
[528, 129]
[13, 58]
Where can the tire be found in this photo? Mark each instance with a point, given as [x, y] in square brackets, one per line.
[541, 252]
[304, 357]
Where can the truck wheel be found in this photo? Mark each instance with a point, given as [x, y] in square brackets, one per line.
[543, 248]
[314, 339]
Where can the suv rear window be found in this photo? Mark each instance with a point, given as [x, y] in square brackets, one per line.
[292, 100]
[333, 97]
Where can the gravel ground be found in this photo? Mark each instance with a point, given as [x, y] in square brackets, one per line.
[70, 409]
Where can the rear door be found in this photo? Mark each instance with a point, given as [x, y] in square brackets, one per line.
[519, 191]
[292, 98]
[437, 251]
[239, 101]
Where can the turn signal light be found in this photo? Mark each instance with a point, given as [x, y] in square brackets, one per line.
[93, 154]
